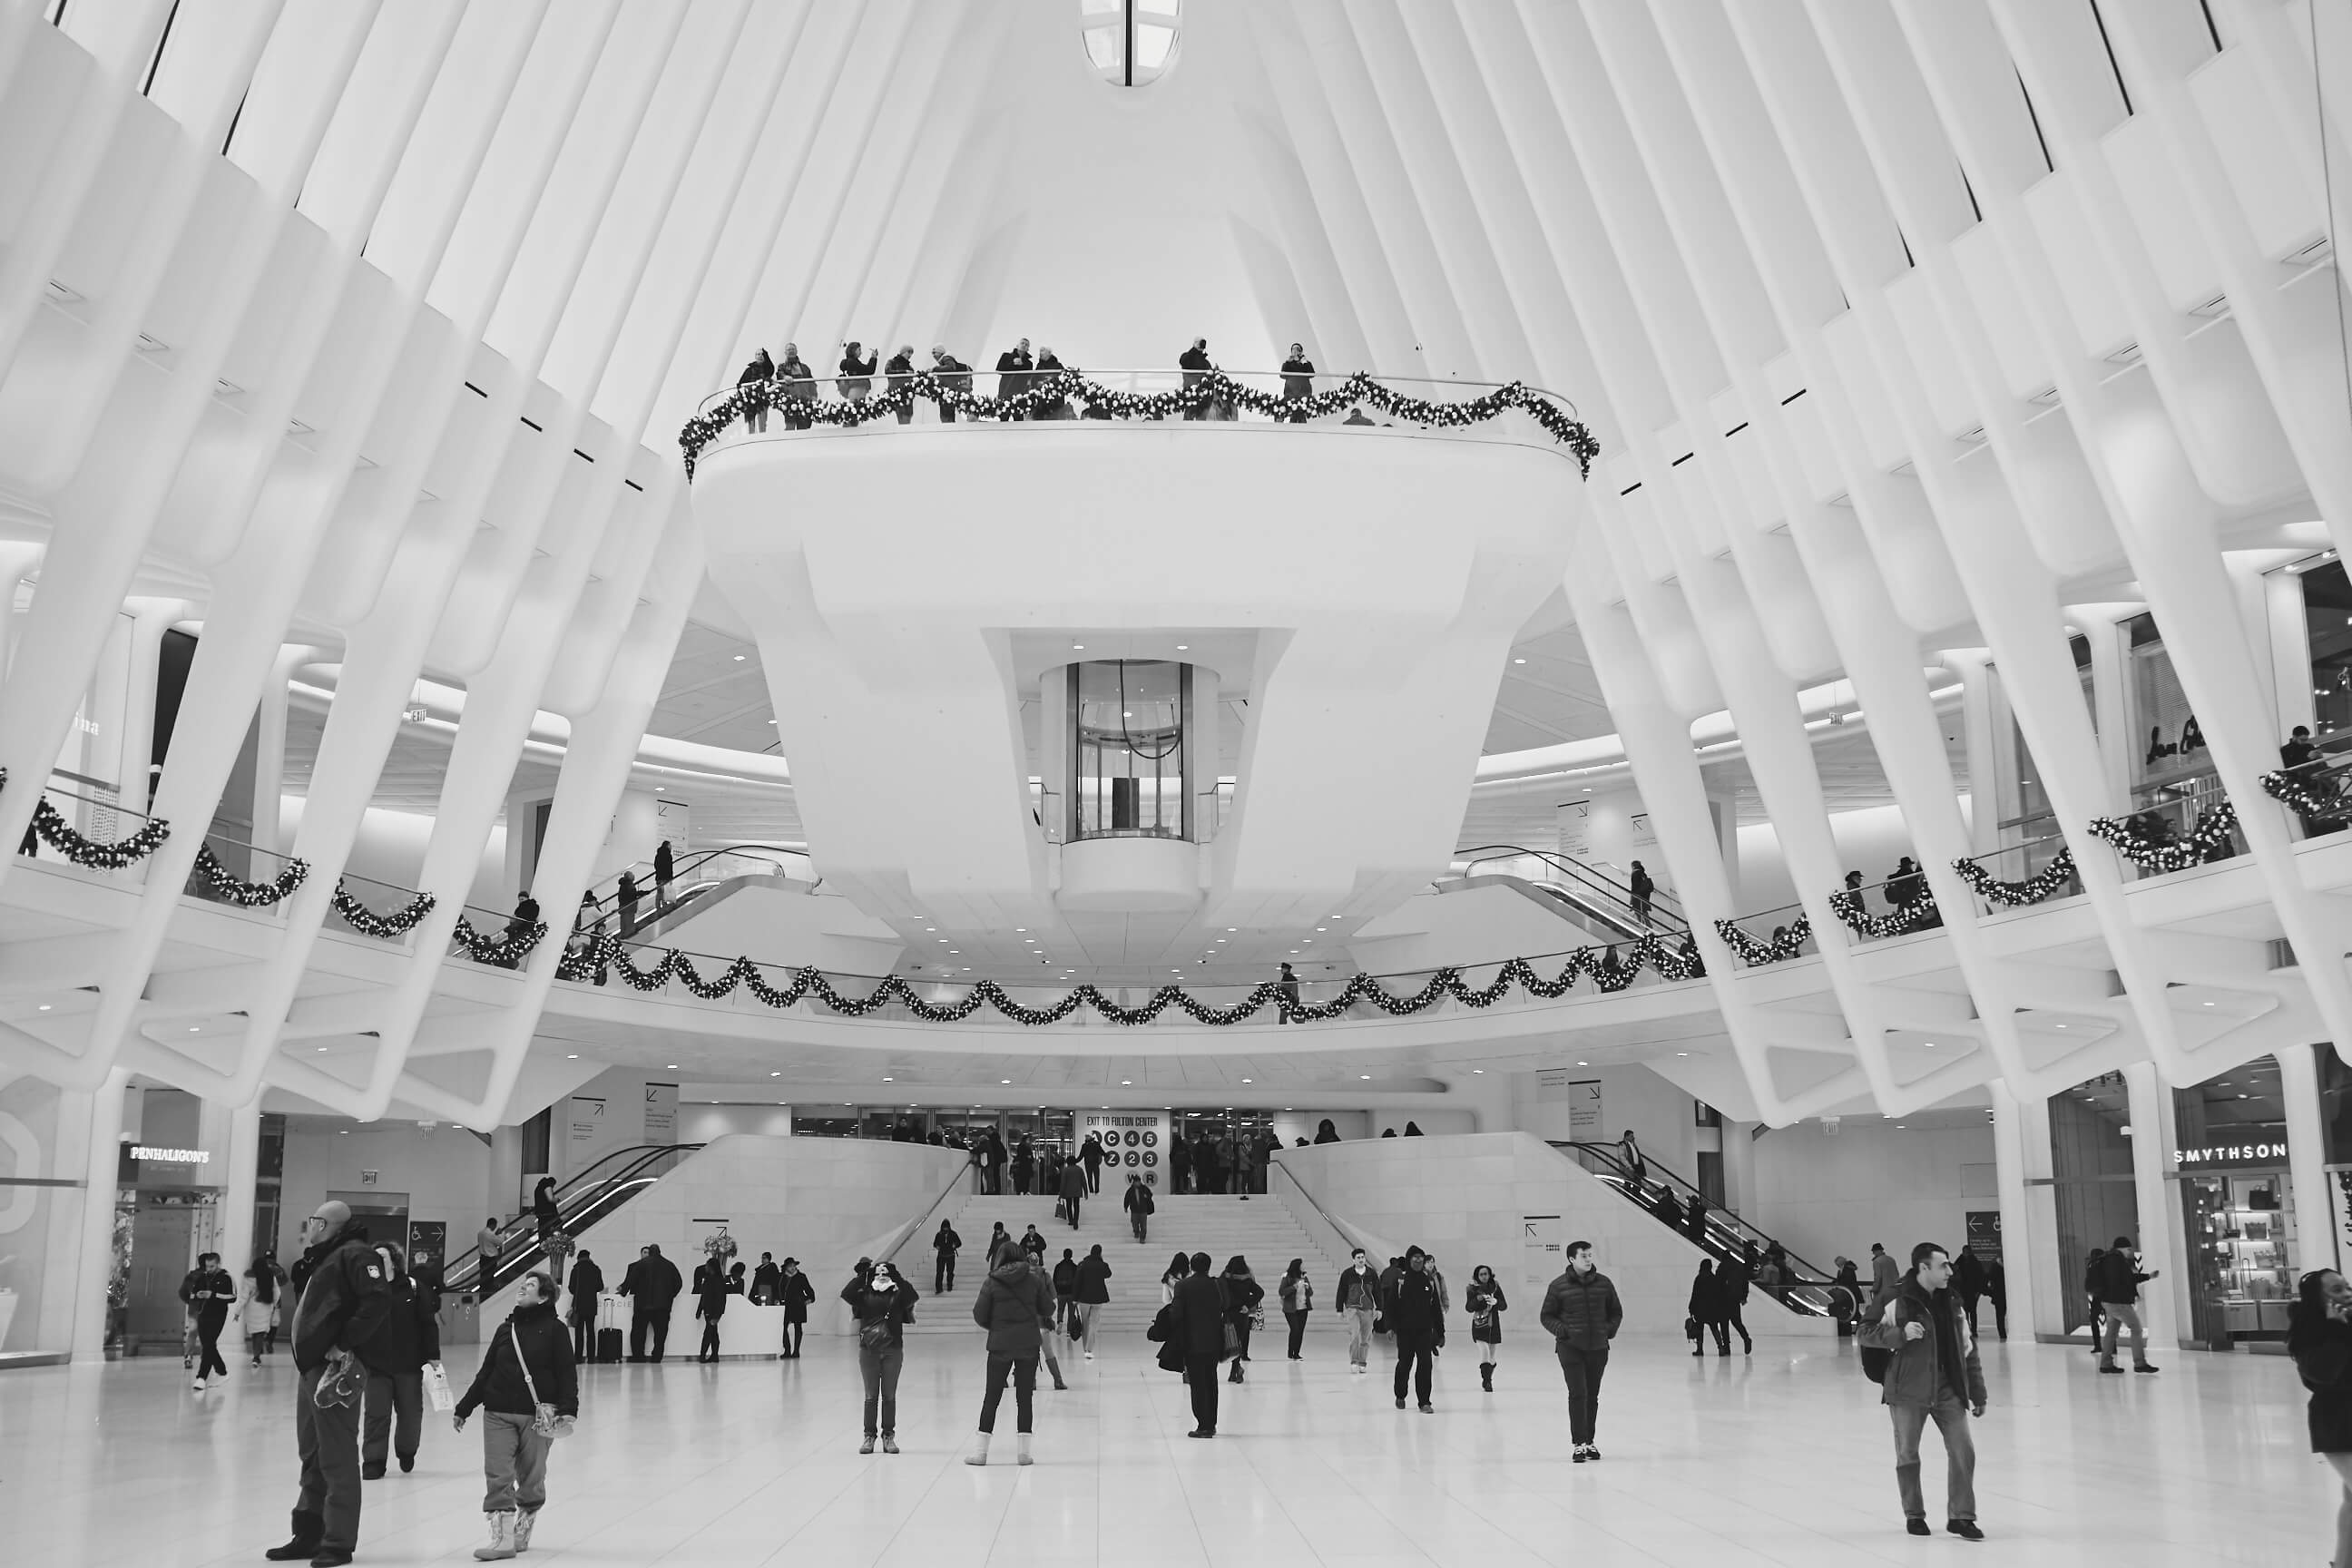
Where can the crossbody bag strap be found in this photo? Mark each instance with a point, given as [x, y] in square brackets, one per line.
[530, 1382]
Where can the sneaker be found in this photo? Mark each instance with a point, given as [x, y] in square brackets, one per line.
[372, 1473]
[867, 1446]
[890, 1444]
[1196, 1432]
[1577, 1457]
[1090, 1355]
[1917, 1526]
[1966, 1529]
[197, 1386]
[1592, 1452]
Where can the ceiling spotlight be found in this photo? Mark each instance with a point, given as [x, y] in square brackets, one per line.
[1127, 1083]
[1246, 1080]
[1004, 1081]
[1584, 1064]
[1018, 930]
[572, 1058]
[1230, 929]
[195, 1028]
[1182, 647]
[1365, 1076]
[323, 1050]
[671, 1066]
[1518, 661]
[1478, 1069]
[45, 1006]
[775, 1075]
[1078, 647]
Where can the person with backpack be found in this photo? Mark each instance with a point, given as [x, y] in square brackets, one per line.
[881, 1304]
[528, 1392]
[395, 1356]
[1582, 1313]
[1140, 1207]
[1014, 1306]
[1917, 1348]
[945, 1246]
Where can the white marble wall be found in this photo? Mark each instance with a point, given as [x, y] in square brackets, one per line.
[1468, 1199]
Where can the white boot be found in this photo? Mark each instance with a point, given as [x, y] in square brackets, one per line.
[1024, 1451]
[978, 1455]
[523, 1519]
[501, 1544]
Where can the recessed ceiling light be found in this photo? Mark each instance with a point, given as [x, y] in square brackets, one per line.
[1230, 929]
[671, 1066]
[1365, 1076]
[45, 1006]
[775, 1075]
[195, 1028]
[1004, 1081]
[1518, 661]
[772, 720]
[1584, 1064]
[1246, 1080]
[572, 1058]
[658, 788]
[738, 658]
[1184, 647]
[1078, 647]
[323, 1050]
[1018, 930]
[2062, 1025]
[2208, 1003]
[1477, 1069]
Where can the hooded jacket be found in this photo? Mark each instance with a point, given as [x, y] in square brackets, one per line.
[1014, 1305]
[1413, 1308]
[1581, 1310]
[410, 1334]
[343, 1298]
[499, 1384]
[1943, 1358]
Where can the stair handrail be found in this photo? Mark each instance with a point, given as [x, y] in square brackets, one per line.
[1719, 1217]
[607, 889]
[922, 1222]
[1350, 1236]
[1665, 909]
[518, 1237]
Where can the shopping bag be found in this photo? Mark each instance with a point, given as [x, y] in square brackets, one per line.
[1061, 1208]
[436, 1388]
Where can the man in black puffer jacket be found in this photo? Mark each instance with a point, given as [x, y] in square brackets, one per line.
[395, 1357]
[343, 1301]
[1414, 1312]
[1581, 1312]
[529, 1351]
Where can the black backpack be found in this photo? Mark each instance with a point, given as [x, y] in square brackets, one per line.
[1875, 1363]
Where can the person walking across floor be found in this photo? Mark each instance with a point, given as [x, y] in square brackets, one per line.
[945, 1244]
[1884, 1272]
[2319, 1338]
[528, 1390]
[342, 1302]
[1014, 1306]
[1177, 1272]
[1706, 1309]
[652, 1284]
[1197, 1321]
[256, 1305]
[1997, 1292]
[1024, 1167]
[1296, 1293]
[1412, 1313]
[1139, 1205]
[1243, 1296]
[1179, 1165]
[1074, 1190]
[1034, 1244]
[796, 1291]
[1731, 1278]
[2120, 1283]
[711, 1288]
[1932, 1374]
[1968, 1280]
[587, 1285]
[208, 1292]
[1090, 1154]
[1582, 1313]
[1094, 1295]
[881, 1305]
[1486, 1304]
[395, 1356]
[1065, 1288]
[1359, 1301]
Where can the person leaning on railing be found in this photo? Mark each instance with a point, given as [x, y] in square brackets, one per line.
[899, 370]
[756, 376]
[799, 387]
[857, 373]
[953, 374]
[1297, 379]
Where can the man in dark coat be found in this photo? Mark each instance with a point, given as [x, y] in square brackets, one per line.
[1194, 363]
[1198, 1325]
[1013, 367]
[755, 403]
[1582, 1314]
[395, 1357]
[900, 370]
[1414, 1312]
[651, 1284]
[1932, 1374]
[1074, 1189]
[587, 1288]
[2118, 1294]
[665, 871]
[954, 375]
[343, 1301]
[1090, 1154]
[207, 1291]
[1297, 379]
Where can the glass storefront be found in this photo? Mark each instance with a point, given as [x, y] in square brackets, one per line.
[1129, 762]
[2327, 633]
[2237, 1205]
[2091, 1177]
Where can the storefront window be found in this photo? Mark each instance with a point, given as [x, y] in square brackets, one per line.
[2168, 744]
[2237, 1205]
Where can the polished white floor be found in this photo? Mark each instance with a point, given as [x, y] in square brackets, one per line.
[1784, 1459]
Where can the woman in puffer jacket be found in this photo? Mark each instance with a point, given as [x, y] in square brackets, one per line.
[530, 1352]
[1015, 1305]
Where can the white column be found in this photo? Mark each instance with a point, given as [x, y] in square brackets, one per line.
[2114, 709]
[242, 1180]
[96, 1266]
[2020, 1148]
[2159, 1219]
[1983, 752]
[270, 756]
[138, 726]
[2306, 1159]
[1726, 808]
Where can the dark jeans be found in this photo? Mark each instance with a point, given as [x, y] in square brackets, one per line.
[1582, 1369]
[1073, 1204]
[943, 1274]
[1024, 1390]
[1020, 1182]
[1298, 1331]
[709, 1351]
[392, 1397]
[328, 1443]
[792, 1333]
[1414, 1357]
[1142, 1224]
[1201, 1374]
[584, 1336]
[1093, 1177]
[658, 1322]
[1731, 1322]
[880, 1369]
[209, 1356]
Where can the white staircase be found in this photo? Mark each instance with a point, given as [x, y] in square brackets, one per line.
[1261, 1228]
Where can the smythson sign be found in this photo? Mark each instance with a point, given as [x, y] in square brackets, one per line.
[2231, 1154]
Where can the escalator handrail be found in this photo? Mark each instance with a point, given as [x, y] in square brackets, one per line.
[1607, 1152]
[518, 1237]
[1665, 909]
[608, 890]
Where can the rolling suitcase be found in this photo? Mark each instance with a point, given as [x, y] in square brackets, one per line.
[610, 1346]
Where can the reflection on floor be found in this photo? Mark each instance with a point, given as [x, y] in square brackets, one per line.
[1784, 1459]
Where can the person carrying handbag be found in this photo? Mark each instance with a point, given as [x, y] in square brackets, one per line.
[529, 1393]
[881, 1303]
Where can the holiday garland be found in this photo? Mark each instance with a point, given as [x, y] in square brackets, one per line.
[1609, 971]
[1846, 904]
[1785, 945]
[367, 922]
[2046, 883]
[2207, 841]
[1040, 390]
[504, 950]
[88, 853]
[2318, 798]
[220, 886]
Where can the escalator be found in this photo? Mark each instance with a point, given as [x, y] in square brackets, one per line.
[1810, 1290]
[580, 1202]
[1597, 901]
[699, 874]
